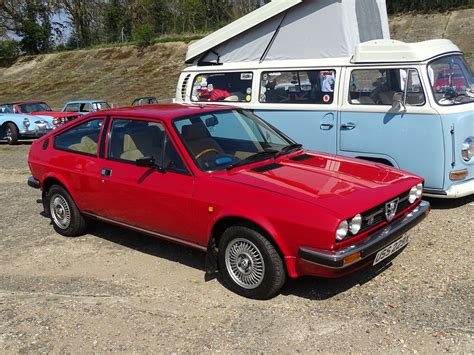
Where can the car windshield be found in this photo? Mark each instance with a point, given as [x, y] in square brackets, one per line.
[224, 139]
[451, 80]
[99, 106]
[34, 107]
[6, 109]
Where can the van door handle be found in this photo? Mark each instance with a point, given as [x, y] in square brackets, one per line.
[106, 172]
[326, 126]
[348, 125]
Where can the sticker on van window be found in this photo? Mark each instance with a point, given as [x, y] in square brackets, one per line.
[326, 98]
[246, 76]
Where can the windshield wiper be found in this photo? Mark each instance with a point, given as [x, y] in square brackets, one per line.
[288, 149]
[253, 158]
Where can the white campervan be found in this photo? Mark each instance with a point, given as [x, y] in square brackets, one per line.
[409, 105]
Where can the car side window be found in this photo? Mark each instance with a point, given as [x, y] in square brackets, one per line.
[72, 108]
[211, 87]
[83, 138]
[377, 86]
[134, 139]
[298, 87]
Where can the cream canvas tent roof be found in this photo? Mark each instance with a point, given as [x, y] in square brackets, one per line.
[295, 29]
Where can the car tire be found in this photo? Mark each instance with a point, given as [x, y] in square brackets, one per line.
[11, 133]
[249, 264]
[66, 218]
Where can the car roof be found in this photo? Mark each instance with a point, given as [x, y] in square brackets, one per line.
[166, 111]
[84, 102]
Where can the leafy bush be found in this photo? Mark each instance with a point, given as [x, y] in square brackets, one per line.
[9, 49]
[143, 35]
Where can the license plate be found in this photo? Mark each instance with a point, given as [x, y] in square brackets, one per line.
[391, 249]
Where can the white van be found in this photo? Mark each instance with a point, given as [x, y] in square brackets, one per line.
[409, 105]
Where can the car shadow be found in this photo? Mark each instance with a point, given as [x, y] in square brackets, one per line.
[446, 204]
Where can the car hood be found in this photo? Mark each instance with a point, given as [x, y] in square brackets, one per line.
[346, 186]
[54, 114]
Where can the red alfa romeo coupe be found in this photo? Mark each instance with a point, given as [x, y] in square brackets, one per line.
[223, 181]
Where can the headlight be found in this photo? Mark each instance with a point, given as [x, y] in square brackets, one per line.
[342, 230]
[467, 150]
[26, 122]
[415, 193]
[355, 224]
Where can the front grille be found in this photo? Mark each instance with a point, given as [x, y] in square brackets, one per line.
[376, 215]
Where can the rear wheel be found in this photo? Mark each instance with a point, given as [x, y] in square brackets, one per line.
[11, 133]
[66, 217]
[250, 265]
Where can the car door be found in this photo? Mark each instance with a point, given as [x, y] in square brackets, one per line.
[76, 158]
[410, 137]
[143, 197]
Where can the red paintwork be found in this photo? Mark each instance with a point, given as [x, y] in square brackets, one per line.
[299, 204]
[55, 114]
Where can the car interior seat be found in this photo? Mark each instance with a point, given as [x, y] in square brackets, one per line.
[141, 142]
[87, 145]
[199, 140]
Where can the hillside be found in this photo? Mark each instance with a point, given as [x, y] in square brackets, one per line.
[122, 73]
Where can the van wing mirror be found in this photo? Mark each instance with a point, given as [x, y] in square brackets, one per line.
[397, 100]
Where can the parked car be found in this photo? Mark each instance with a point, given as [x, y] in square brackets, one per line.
[14, 127]
[223, 181]
[145, 101]
[85, 106]
[39, 108]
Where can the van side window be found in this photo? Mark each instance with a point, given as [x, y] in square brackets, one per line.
[298, 87]
[377, 86]
[211, 87]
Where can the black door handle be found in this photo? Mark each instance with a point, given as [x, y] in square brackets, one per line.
[348, 125]
[106, 172]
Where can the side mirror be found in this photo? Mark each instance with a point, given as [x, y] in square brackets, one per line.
[146, 162]
[397, 101]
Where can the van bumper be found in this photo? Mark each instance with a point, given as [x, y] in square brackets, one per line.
[457, 190]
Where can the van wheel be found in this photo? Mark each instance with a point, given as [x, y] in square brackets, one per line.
[11, 133]
[250, 265]
[66, 217]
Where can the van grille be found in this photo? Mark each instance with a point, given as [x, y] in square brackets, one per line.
[184, 87]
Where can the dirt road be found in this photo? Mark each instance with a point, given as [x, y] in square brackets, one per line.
[116, 290]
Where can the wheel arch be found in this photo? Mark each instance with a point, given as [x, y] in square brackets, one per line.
[51, 180]
[377, 160]
[224, 223]
[3, 126]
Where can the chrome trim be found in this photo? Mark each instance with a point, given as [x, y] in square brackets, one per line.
[369, 246]
[146, 231]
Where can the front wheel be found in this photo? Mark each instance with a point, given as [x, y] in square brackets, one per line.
[11, 133]
[66, 217]
[250, 265]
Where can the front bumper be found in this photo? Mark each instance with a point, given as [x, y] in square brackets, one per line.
[33, 182]
[457, 190]
[332, 263]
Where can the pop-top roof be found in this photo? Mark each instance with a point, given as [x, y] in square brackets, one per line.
[388, 51]
[295, 29]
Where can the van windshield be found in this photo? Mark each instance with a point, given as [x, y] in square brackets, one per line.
[451, 80]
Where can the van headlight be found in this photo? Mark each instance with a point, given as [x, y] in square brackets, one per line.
[415, 193]
[467, 150]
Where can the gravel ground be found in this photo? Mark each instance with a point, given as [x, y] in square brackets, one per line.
[116, 290]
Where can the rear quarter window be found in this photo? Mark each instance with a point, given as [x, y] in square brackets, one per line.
[82, 139]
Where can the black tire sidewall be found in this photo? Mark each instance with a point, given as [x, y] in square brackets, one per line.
[274, 276]
[77, 225]
[14, 133]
